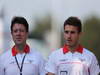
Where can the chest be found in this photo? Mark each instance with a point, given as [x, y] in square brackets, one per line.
[73, 61]
[30, 65]
[72, 64]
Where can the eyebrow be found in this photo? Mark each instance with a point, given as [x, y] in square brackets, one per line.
[66, 31]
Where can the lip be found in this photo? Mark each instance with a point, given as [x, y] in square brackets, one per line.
[69, 40]
[18, 38]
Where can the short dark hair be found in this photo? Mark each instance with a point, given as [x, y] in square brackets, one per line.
[74, 21]
[19, 20]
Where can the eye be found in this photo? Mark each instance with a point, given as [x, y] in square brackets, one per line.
[21, 30]
[66, 32]
[15, 31]
[72, 32]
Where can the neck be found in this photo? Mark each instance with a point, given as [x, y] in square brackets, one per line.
[20, 48]
[73, 48]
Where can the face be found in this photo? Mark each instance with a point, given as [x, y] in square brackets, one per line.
[71, 35]
[19, 34]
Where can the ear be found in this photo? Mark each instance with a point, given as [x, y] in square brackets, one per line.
[27, 34]
[81, 33]
[11, 32]
[64, 35]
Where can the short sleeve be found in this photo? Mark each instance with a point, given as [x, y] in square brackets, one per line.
[1, 67]
[41, 66]
[50, 65]
[94, 67]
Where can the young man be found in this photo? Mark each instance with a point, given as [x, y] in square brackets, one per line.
[72, 59]
[21, 59]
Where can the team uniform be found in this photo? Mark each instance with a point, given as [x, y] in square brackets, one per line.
[64, 62]
[28, 63]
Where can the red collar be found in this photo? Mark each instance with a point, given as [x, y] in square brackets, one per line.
[26, 50]
[79, 49]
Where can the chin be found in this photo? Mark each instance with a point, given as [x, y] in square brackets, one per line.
[18, 43]
[70, 45]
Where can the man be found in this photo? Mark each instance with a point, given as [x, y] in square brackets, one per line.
[21, 59]
[72, 59]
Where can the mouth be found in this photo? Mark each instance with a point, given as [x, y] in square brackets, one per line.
[69, 40]
[18, 39]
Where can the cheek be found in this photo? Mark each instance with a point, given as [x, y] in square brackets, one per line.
[76, 38]
[13, 36]
[25, 36]
[65, 36]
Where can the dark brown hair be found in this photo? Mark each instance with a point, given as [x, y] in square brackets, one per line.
[19, 20]
[74, 21]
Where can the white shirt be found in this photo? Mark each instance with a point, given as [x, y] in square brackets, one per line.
[76, 63]
[33, 63]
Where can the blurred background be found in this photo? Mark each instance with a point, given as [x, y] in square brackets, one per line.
[46, 18]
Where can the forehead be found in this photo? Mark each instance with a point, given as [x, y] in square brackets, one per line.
[17, 25]
[71, 28]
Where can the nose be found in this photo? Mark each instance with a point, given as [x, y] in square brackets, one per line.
[69, 34]
[18, 32]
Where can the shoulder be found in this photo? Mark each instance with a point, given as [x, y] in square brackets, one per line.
[5, 57]
[88, 53]
[56, 53]
[6, 54]
[34, 53]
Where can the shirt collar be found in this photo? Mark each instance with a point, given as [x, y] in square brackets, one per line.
[26, 50]
[79, 49]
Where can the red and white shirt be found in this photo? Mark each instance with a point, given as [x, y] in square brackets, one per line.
[64, 62]
[33, 62]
